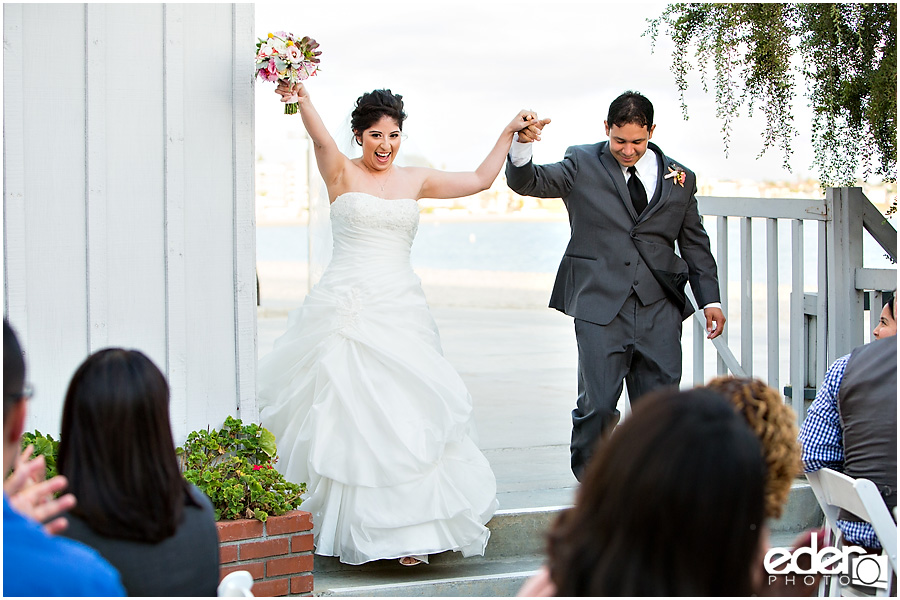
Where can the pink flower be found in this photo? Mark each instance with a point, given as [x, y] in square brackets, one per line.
[267, 76]
[269, 72]
[294, 55]
[256, 467]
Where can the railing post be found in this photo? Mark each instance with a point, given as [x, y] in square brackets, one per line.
[797, 373]
[843, 255]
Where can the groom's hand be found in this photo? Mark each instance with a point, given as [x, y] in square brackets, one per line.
[715, 321]
[532, 132]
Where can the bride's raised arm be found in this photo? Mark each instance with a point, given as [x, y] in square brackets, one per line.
[330, 160]
[444, 184]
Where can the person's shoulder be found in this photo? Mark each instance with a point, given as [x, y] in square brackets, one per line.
[670, 162]
[200, 499]
[884, 344]
[584, 153]
[199, 522]
[884, 349]
[96, 575]
[592, 149]
[837, 367]
[36, 564]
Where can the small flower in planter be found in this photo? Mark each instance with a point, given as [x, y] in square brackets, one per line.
[234, 467]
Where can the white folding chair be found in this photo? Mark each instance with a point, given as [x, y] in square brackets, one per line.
[236, 584]
[836, 491]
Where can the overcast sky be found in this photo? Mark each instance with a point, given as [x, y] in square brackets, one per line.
[466, 68]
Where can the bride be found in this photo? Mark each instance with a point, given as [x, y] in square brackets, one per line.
[363, 405]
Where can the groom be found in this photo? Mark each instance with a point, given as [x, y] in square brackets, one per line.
[620, 277]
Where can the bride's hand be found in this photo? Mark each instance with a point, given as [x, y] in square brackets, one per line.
[291, 93]
[528, 126]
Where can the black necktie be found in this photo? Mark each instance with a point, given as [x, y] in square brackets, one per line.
[637, 191]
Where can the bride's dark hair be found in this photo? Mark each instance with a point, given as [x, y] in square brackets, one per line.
[371, 106]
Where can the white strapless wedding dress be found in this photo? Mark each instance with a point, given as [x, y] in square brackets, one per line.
[365, 408]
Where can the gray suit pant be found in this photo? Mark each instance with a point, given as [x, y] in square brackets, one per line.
[642, 346]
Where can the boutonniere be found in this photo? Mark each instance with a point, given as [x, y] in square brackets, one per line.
[676, 174]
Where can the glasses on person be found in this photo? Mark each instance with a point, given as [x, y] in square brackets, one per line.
[27, 393]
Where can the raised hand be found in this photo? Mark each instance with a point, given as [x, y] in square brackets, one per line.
[31, 496]
[291, 92]
[532, 131]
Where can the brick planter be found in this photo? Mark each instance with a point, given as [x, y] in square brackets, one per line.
[277, 553]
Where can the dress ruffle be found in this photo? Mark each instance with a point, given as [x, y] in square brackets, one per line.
[365, 408]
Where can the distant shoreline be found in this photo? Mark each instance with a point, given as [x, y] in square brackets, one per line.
[447, 217]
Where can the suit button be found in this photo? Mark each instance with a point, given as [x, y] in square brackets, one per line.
[627, 263]
[635, 282]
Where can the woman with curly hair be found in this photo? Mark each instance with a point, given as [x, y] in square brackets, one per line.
[775, 423]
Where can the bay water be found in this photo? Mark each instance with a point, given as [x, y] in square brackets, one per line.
[537, 246]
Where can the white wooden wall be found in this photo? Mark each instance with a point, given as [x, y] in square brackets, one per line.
[128, 198]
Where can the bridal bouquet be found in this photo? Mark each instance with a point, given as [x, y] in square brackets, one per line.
[282, 57]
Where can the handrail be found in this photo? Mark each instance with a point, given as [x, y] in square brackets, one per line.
[878, 227]
[810, 209]
[719, 343]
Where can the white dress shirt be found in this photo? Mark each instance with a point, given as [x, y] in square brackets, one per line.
[646, 167]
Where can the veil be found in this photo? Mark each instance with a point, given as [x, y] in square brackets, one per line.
[319, 227]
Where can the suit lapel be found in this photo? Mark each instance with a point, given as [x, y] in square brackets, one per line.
[615, 173]
[663, 186]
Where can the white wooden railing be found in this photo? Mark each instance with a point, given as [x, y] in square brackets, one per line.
[826, 308]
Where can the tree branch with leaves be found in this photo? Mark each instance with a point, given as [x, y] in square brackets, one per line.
[848, 61]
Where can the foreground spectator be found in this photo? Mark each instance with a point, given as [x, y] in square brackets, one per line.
[851, 426]
[34, 562]
[682, 466]
[775, 424]
[31, 496]
[134, 506]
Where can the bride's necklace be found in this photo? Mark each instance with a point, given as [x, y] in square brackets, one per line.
[381, 185]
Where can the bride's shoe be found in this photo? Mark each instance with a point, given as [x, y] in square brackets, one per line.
[413, 560]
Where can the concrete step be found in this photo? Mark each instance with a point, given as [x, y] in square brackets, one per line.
[514, 552]
[514, 534]
[390, 578]
[801, 512]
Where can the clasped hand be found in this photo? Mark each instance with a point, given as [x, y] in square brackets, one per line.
[532, 131]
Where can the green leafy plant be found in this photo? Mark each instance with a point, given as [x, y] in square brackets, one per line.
[843, 53]
[43, 445]
[235, 468]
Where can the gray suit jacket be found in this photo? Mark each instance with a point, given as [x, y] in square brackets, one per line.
[611, 250]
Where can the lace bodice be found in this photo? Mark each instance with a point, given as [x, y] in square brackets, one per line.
[359, 209]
